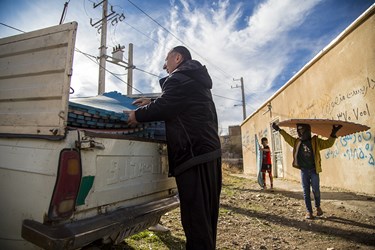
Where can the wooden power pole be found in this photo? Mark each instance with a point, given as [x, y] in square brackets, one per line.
[130, 69]
[103, 49]
[243, 96]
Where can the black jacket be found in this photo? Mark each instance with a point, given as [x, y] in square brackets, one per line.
[190, 117]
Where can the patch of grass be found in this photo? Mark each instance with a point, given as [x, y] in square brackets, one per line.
[224, 211]
[143, 240]
[154, 240]
[227, 191]
[145, 235]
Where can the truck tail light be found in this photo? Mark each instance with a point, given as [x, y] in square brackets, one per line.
[67, 185]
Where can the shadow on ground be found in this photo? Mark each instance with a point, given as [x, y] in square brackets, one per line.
[347, 234]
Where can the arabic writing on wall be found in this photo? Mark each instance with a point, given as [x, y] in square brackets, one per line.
[337, 107]
[362, 91]
[359, 146]
[349, 105]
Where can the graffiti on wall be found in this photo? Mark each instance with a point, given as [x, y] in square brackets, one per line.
[336, 107]
[359, 146]
[263, 133]
[354, 113]
[248, 141]
[341, 98]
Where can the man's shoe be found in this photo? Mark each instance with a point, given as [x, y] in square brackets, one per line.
[158, 228]
[309, 216]
[319, 211]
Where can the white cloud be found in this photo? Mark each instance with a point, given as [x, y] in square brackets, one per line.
[258, 51]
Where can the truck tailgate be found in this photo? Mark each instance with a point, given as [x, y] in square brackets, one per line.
[118, 170]
[35, 72]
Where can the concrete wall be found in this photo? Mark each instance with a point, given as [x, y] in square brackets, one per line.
[339, 83]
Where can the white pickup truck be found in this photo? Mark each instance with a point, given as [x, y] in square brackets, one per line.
[61, 186]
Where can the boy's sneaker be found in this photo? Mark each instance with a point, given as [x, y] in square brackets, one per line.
[309, 216]
[319, 211]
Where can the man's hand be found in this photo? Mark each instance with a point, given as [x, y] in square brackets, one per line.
[275, 127]
[132, 121]
[335, 128]
[142, 101]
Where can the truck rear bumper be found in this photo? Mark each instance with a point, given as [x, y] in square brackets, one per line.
[122, 223]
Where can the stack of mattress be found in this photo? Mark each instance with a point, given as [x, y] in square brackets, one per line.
[106, 113]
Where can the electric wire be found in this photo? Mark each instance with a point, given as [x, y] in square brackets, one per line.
[178, 39]
[91, 57]
[113, 36]
[113, 74]
[12, 27]
[144, 34]
[226, 98]
[117, 74]
[144, 71]
[141, 32]
[184, 44]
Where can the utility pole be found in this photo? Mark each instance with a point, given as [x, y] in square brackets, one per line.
[101, 25]
[130, 69]
[103, 49]
[243, 96]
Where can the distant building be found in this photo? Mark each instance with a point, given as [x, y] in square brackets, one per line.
[231, 143]
[339, 83]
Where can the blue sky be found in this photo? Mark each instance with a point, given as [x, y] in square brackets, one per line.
[264, 41]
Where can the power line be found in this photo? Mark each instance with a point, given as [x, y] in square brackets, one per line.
[157, 42]
[144, 71]
[144, 34]
[113, 74]
[86, 54]
[12, 27]
[91, 57]
[141, 32]
[117, 74]
[156, 22]
[226, 98]
[225, 73]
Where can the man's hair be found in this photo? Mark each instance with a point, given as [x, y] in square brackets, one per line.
[183, 51]
[264, 139]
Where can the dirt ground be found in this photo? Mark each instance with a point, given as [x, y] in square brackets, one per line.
[251, 218]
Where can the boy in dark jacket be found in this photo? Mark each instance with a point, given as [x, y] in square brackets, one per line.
[306, 157]
[194, 151]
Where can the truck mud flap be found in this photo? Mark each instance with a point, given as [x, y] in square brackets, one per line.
[122, 222]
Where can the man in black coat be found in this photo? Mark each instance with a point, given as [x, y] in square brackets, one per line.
[194, 151]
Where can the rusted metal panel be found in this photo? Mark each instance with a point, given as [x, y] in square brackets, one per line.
[35, 74]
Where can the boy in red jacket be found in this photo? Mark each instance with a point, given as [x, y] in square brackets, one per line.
[266, 162]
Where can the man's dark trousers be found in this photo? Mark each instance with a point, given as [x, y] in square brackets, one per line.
[199, 190]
